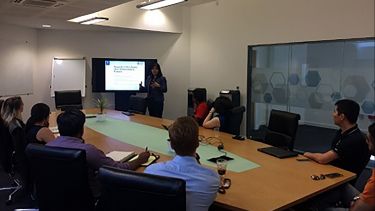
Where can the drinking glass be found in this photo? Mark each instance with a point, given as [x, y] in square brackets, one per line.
[221, 169]
[216, 132]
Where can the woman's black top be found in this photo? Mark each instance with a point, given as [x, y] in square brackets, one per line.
[31, 134]
[156, 93]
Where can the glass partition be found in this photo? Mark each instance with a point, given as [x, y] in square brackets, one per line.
[308, 78]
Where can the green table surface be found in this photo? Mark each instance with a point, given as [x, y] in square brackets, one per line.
[156, 140]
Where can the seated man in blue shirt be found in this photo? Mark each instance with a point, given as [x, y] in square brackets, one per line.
[201, 183]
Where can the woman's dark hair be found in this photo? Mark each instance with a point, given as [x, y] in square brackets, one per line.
[39, 112]
[157, 65]
[222, 105]
[199, 95]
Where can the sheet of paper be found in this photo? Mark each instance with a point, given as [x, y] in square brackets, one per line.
[150, 160]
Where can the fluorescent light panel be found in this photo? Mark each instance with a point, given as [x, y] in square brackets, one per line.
[94, 20]
[83, 18]
[156, 4]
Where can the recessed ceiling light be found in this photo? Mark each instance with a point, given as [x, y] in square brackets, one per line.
[89, 19]
[94, 20]
[46, 26]
[83, 18]
[157, 4]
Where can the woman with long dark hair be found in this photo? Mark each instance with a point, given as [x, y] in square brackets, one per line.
[37, 130]
[156, 86]
[218, 117]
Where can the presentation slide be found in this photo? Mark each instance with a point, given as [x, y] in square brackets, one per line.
[124, 75]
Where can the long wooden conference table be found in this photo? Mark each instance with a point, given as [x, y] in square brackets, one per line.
[276, 184]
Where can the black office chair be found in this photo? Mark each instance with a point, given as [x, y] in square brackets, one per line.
[7, 155]
[68, 99]
[61, 178]
[129, 190]
[137, 104]
[282, 129]
[235, 119]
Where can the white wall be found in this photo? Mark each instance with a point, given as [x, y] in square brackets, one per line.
[115, 45]
[172, 51]
[17, 60]
[16, 35]
[221, 32]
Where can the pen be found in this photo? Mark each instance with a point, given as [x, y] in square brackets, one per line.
[303, 159]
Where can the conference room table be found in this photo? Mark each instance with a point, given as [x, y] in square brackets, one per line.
[277, 184]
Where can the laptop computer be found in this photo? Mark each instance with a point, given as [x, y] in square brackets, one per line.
[278, 152]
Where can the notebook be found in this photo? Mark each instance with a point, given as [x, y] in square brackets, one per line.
[121, 156]
[278, 152]
[151, 159]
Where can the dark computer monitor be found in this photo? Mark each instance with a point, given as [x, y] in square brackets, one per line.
[68, 99]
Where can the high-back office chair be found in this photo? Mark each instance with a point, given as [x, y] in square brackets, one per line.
[61, 178]
[129, 190]
[137, 104]
[21, 164]
[7, 162]
[282, 129]
[68, 99]
[235, 120]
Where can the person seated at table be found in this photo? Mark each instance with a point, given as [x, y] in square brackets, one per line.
[218, 117]
[36, 129]
[71, 127]
[348, 197]
[11, 115]
[349, 149]
[200, 105]
[201, 183]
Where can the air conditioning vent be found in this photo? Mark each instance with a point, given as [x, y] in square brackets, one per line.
[39, 3]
